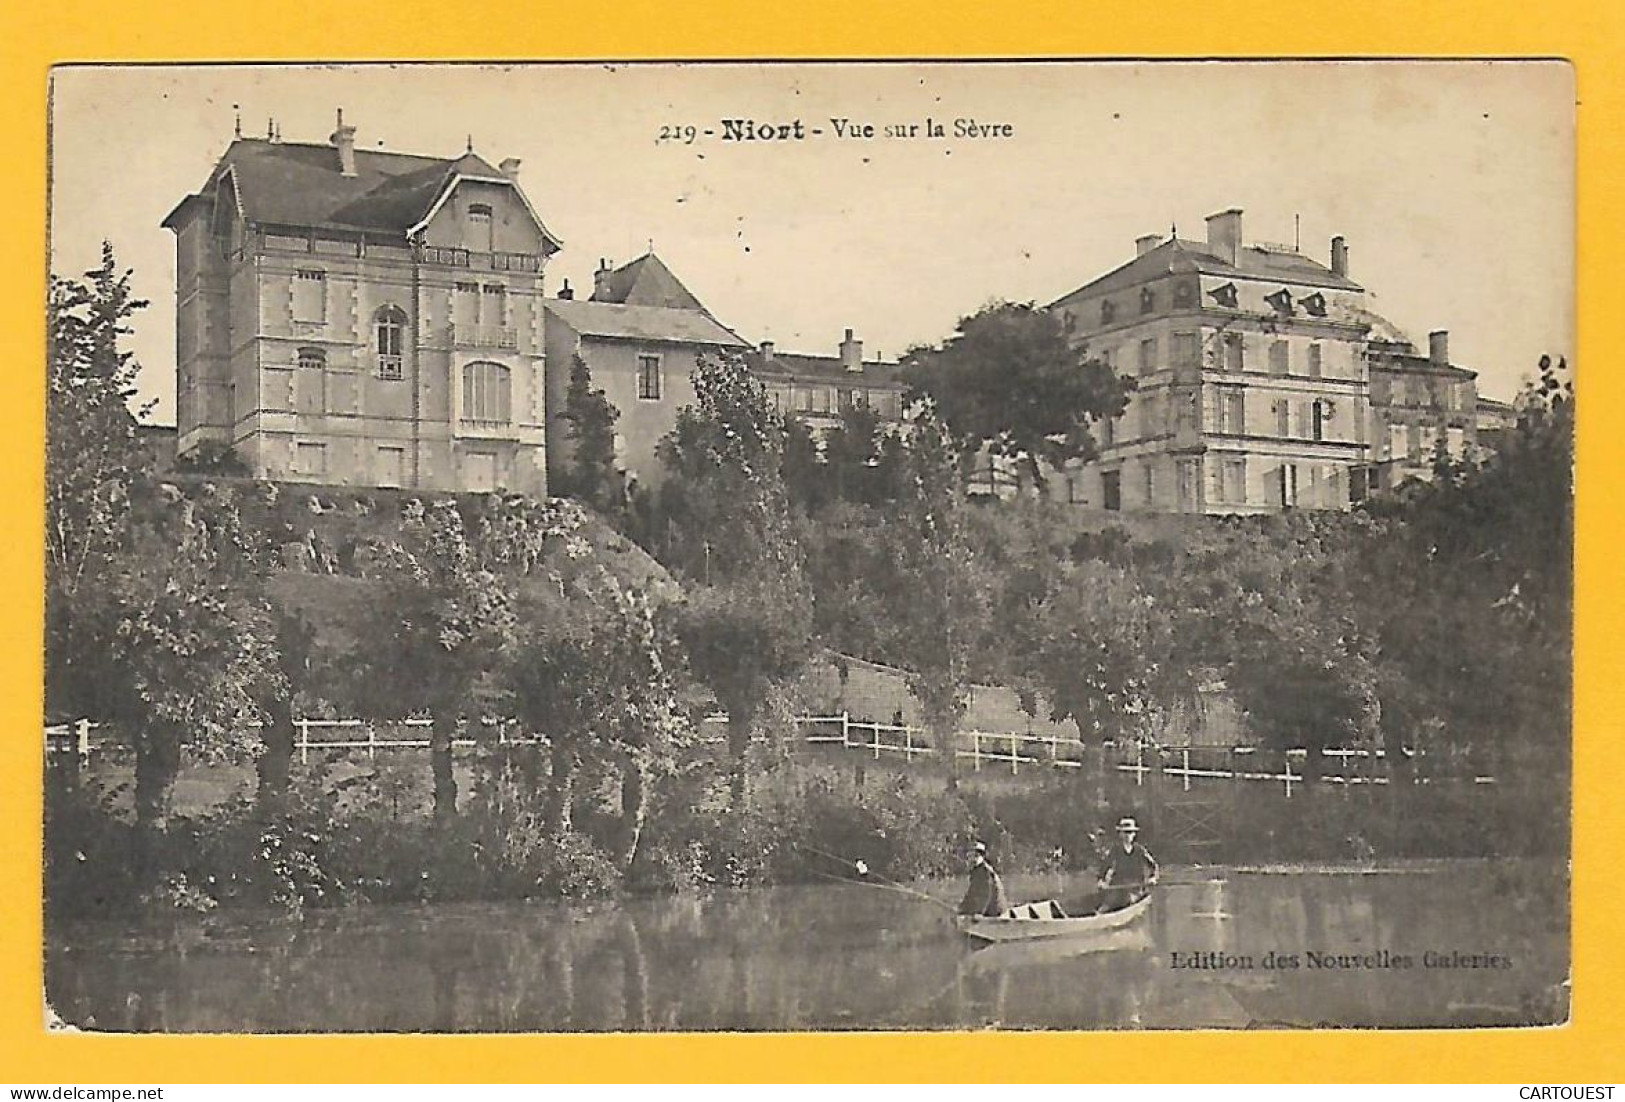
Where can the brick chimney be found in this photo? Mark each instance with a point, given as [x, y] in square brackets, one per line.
[1340, 257]
[567, 292]
[343, 139]
[1439, 347]
[851, 353]
[1143, 245]
[510, 168]
[600, 281]
[1224, 234]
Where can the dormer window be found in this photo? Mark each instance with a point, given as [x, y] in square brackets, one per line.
[1225, 296]
[389, 326]
[479, 228]
[1315, 305]
[1280, 302]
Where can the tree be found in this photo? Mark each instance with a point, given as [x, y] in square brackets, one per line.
[1011, 380]
[745, 626]
[188, 654]
[437, 630]
[946, 592]
[92, 459]
[591, 475]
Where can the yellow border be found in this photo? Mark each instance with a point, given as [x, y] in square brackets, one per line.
[35, 35]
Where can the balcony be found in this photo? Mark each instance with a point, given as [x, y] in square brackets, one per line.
[498, 337]
[449, 257]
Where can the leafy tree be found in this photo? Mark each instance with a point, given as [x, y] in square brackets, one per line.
[437, 629]
[1011, 380]
[746, 623]
[591, 475]
[802, 467]
[946, 592]
[92, 459]
[187, 654]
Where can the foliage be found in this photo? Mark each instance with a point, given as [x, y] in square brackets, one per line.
[1011, 379]
[591, 475]
[92, 459]
[745, 624]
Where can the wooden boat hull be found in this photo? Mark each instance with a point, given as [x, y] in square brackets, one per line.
[1027, 922]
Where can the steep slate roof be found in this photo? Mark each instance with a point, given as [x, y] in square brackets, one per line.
[796, 365]
[646, 282]
[299, 184]
[615, 321]
[1179, 255]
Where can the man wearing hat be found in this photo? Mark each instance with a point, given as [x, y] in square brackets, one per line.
[985, 896]
[1130, 870]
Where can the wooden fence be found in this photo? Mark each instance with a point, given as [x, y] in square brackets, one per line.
[983, 749]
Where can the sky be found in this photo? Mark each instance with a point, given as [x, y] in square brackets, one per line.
[1453, 182]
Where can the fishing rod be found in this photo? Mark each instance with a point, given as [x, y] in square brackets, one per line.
[873, 879]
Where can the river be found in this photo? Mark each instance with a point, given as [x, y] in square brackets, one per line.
[1472, 943]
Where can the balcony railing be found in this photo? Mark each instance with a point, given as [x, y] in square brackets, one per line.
[484, 336]
[450, 257]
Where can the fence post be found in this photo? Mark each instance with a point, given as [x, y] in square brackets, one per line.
[975, 751]
[875, 742]
[372, 743]
[1185, 764]
[846, 729]
[1015, 753]
[1139, 764]
[1286, 768]
[81, 747]
[304, 741]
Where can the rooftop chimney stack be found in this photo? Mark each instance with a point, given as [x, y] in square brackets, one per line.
[1143, 245]
[767, 351]
[1340, 257]
[567, 292]
[510, 168]
[600, 281]
[851, 353]
[343, 140]
[1439, 347]
[1224, 234]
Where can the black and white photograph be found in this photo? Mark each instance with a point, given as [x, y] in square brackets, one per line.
[634, 547]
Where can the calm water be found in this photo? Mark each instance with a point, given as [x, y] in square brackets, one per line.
[842, 957]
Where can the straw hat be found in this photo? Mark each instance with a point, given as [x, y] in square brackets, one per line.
[1127, 825]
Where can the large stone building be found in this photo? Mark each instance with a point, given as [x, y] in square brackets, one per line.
[1252, 389]
[351, 317]
[1260, 385]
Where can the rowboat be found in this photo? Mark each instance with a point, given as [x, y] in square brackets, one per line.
[1045, 919]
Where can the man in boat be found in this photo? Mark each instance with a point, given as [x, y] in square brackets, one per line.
[1130, 870]
[985, 896]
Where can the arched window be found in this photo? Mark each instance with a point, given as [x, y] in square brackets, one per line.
[390, 328]
[313, 358]
[487, 393]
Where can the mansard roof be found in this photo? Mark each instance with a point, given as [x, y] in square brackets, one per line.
[1179, 255]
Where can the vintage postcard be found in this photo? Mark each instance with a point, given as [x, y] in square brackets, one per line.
[802, 547]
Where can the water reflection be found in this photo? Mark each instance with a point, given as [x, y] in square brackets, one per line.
[1292, 950]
